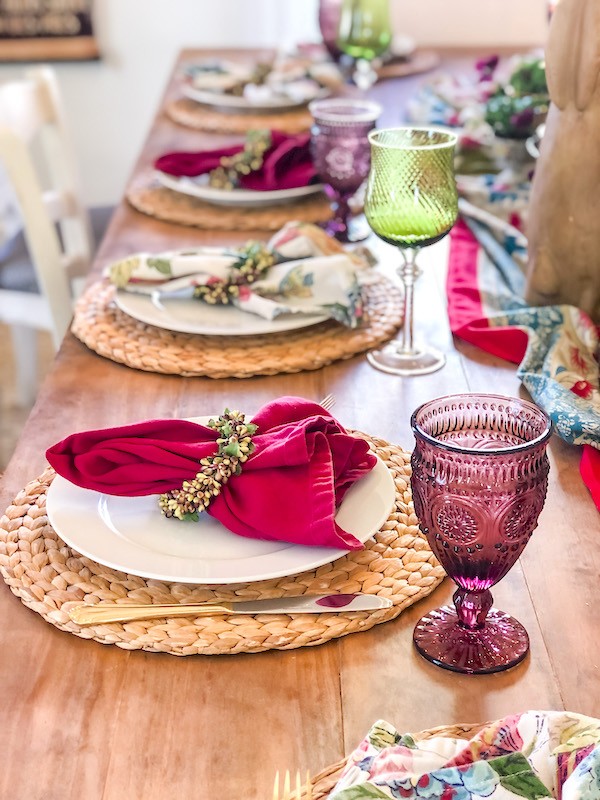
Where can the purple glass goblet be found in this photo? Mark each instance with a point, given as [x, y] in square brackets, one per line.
[329, 23]
[342, 156]
[480, 474]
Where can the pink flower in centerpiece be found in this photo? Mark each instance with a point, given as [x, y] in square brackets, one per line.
[244, 293]
[486, 67]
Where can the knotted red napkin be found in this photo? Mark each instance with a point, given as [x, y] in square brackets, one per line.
[289, 489]
[287, 164]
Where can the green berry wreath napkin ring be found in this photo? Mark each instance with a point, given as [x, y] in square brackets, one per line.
[300, 270]
[235, 447]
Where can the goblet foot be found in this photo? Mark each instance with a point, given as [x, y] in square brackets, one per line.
[421, 361]
[501, 643]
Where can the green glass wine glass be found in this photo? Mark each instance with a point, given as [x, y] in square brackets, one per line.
[411, 202]
[364, 33]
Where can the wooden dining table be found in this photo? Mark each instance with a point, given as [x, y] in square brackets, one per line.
[83, 720]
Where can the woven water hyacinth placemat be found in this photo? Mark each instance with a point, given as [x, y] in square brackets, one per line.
[111, 333]
[49, 578]
[203, 118]
[158, 201]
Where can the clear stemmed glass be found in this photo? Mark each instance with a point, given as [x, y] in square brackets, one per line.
[479, 480]
[365, 34]
[342, 155]
[411, 202]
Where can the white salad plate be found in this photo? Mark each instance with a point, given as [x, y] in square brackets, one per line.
[130, 534]
[199, 187]
[231, 102]
[187, 315]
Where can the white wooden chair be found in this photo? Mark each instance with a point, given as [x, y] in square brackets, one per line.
[36, 282]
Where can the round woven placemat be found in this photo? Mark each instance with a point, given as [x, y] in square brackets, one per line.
[195, 115]
[49, 577]
[419, 62]
[323, 783]
[100, 325]
[161, 203]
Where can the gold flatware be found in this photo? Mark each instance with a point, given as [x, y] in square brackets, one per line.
[304, 604]
[301, 792]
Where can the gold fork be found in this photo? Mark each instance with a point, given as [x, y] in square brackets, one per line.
[328, 402]
[300, 792]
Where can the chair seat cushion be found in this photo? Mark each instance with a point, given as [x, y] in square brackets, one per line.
[17, 273]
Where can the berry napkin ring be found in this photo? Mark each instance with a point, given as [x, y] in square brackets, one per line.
[233, 168]
[235, 447]
[254, 260]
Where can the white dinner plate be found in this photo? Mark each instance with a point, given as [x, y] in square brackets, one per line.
[194, 316]
[198, 187]
[231, 102]
[130, 534]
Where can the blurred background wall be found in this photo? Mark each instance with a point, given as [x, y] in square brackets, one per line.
[110, 103]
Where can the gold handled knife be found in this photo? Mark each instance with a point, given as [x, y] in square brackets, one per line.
[310, 604]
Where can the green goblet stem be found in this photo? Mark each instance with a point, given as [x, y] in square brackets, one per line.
[409, 272]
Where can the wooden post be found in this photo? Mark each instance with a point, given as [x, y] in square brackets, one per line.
[564, 215]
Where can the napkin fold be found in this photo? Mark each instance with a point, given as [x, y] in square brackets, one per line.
[287, 164]
[535, 754]
[312, 274]
[288, 490]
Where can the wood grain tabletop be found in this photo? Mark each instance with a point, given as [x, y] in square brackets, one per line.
[82, 720]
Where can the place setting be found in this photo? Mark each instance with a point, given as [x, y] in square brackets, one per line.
[227, 96]
[310, 528]
[260, 183]
[301, 288]
[296, 302]
[268, 178]
[283, 529]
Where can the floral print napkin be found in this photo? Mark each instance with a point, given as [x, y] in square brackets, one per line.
[311, 274]
[532, 755]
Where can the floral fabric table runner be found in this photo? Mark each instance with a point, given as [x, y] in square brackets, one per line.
[556, 347]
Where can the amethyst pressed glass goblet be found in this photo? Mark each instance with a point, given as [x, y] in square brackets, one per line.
[479, 480]
[342, 155]
[329, 23]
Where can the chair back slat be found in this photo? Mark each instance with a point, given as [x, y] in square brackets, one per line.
[38, 158]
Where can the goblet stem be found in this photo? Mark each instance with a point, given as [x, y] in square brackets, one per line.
[364, 75]
[409, 273]
[403, 358]
[341, 211]
[472, 607]
[341, 226]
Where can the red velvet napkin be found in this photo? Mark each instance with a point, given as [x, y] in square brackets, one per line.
[287, 163]
[289, 489]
